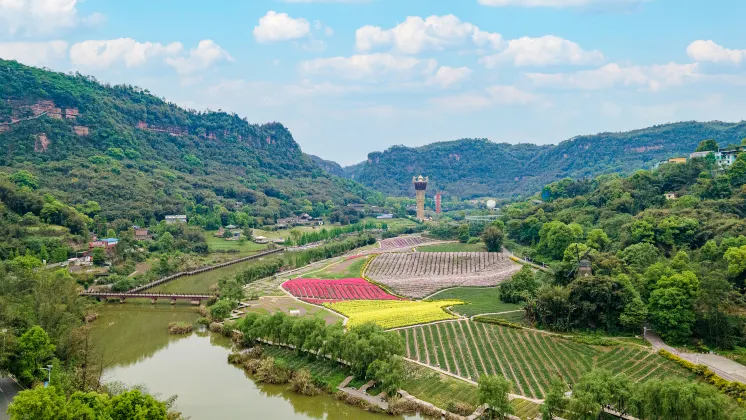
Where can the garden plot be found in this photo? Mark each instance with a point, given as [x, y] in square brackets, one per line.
[325, 291]
[393, 313]
[418, 274]
[403, 242]
[529, 359]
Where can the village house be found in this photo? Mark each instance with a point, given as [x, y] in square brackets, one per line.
[142, 234]
[108, 244]
[670, 196]
[261, 240]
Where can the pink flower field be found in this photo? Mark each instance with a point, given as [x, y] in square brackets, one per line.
[323, 291]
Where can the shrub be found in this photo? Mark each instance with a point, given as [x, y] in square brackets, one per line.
[497, 321]
[302, 383]
[273, 371]
[179, 328]
[401, 406]
[203, 321]
[592, 340]
[460, 408]
[216, 327]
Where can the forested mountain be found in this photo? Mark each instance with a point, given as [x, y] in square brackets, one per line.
[477, 167]
[139, 157]
[330, 166]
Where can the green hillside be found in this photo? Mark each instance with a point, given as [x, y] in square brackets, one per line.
[477, 167]
[139, 157]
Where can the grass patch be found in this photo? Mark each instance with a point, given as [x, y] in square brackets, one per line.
[392, 223]
[344, 270]
[518, 318]
[454, 247]
[322, 370]
[477, 300]
[221, 245]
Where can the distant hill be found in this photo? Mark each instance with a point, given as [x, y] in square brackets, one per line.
[140, 157]
[332, 167]
[477, 167]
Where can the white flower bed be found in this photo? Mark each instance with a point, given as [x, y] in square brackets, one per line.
[420, 274]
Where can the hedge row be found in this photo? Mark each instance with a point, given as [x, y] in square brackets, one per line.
[736, 390]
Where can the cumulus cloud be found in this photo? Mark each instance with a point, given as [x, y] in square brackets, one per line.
[490, 96]
[104, 53]
[559, 3]
[274, 27]
[543, 51]
[449, 76]
[34, 53]
[369, 67]
[416, 34]
[201, 58]
[709, 51]
[613, 75]
[42, 17]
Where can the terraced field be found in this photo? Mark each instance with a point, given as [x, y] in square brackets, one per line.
[403, 242]
[418, 274]
[529, 359]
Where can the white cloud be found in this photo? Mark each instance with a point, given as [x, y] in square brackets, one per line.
[543, 51]
[42, 17]
[612, 75]
[369, 67]
[449, 76]
[492, 95]
[558, 3]
[201, 58]
[416, 34]
[34, 53]
[104, 53]
[708, 51]
[275, 27]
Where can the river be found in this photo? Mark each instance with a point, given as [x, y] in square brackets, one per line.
[138, 350]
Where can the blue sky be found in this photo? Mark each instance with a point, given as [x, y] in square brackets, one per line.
[348, 77]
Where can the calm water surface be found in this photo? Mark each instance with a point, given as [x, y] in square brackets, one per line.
[139, 350]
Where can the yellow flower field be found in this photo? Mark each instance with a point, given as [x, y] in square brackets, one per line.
[393, 313]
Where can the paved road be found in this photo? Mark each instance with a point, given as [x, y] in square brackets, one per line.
[8, 390]
[724, 367]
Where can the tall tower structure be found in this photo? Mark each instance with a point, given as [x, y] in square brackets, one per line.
[437, 203]
[420, 185]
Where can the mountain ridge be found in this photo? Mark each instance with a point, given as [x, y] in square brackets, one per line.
[466, 168]
[141, 157]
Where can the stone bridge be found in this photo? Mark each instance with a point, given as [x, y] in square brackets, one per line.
[194, 298]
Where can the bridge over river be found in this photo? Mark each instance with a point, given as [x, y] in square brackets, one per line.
[194, 298]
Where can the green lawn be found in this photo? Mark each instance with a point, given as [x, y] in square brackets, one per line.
[221, 245]
[333, 272]
[392, 223]
[481, 300]
[325, 371]
[455, 247]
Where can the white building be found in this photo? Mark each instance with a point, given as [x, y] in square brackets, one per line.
[722, 157]
[176, 218]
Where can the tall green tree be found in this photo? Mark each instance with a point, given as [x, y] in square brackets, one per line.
[493, 391]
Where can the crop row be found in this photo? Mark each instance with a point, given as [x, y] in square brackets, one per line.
[403, 242]
[319, 291]
[433, 263]
[529, 359]
[393, 313]
[420, 274]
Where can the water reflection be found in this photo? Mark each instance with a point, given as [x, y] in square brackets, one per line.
[195, 367]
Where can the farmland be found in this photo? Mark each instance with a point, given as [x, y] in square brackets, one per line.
[529, 359]
[442, 390]
[403, 242]
[478, 300]
[321, 291]
[348, 268]
[453, 247]
[394, 313]
[419, 274]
